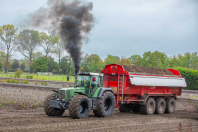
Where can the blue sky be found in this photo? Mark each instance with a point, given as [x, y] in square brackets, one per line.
[128, 27]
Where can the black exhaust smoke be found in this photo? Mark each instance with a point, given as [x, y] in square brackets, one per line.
[74, 21]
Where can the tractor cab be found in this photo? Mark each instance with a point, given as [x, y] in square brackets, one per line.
[90, 81]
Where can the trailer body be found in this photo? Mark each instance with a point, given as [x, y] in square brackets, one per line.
[135, 88]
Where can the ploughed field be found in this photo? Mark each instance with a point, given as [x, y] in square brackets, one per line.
[34, 119]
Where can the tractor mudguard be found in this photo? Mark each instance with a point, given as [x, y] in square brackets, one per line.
[102, 90]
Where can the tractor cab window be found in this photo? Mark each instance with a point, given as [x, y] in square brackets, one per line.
[95, 81]
[83, 81]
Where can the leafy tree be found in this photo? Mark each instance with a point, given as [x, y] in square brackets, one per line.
[2, 56]
[48, 41]
[110, 59]
[134, 58]
[52, 65]
[66, 65]
[154, 59]
[28, 41]
[15, 64]
[6, 64]
[36, 55]
[22, 66]
[194, 61]
[1, 65]
[8, 37]
[40, 65]
[124, 62]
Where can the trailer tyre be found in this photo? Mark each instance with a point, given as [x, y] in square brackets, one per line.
[125, 108]
[79, 107]
[160, 106]
[49, 110]
[149, 108]
[135, 109]
[105, 105]
[170, 105]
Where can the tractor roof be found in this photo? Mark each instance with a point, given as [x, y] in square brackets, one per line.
[90, 73]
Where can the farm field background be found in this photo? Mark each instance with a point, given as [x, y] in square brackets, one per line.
[40, 77]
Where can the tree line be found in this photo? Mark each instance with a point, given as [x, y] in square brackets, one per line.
[43, 53]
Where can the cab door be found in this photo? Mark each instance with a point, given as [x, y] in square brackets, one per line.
[94, 84]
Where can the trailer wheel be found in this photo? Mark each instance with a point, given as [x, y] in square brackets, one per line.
[105, 105]
[79, 107]
[135, 109]
[149, 108]
[125, 108]
[160, 106]
[49, 110]
[170, 105]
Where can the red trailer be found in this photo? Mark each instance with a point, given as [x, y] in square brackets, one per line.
[144, 92]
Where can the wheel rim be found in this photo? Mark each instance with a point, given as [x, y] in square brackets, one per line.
[172, 106]
[161, 106]
[151, 107]
[83, 107]
[107, 104]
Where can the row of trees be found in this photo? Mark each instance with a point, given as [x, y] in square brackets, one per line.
[148, 59]
[28, 42]
[43, 52]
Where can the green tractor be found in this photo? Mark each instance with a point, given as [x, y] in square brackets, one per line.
[88, 94]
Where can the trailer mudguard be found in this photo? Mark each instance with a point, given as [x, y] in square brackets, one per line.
[102, 90]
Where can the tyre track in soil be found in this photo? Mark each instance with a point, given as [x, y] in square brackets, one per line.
[36, 120]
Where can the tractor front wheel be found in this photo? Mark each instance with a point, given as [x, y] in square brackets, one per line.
[105, 105]
[79, 107]
[49, 110]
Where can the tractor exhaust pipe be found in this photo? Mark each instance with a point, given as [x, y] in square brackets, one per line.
[75, 81]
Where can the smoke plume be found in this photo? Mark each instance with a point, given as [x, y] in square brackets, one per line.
[74, 21]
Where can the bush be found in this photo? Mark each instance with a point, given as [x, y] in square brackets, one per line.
[18, 73]
[43, 83]
[10, 81]
[25, 81]
[29, 77]
[11, 76]
[36, 82]
[191, 77]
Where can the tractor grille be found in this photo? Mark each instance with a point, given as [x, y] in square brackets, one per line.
[68, 94]
[61, 94]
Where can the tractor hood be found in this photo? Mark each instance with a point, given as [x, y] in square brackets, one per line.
[68, 93]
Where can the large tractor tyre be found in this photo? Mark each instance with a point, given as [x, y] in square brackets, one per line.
[160, 106]
[105, 105]
[170, 105]
[149, 108]
[79, 107]
[49, 110]
[136, 109]
[125, 108]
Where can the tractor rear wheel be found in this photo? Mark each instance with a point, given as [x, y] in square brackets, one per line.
[160, 106]
[149, 108]
[170, 105]
[105, 105]
[79, 107]
[125, 108]
[49, 110]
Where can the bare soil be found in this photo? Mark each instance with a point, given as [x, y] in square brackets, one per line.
[147, 70]
[34, 119]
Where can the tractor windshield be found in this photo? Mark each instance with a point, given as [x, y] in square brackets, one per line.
[83, 81]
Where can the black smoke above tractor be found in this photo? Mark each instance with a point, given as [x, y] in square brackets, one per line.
[74, 21]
